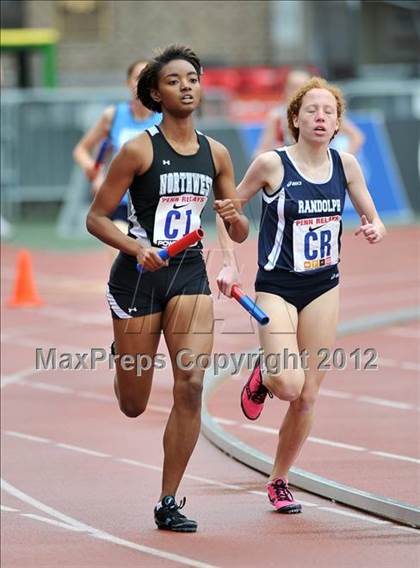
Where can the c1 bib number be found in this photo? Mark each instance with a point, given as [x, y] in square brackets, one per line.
[176, 217]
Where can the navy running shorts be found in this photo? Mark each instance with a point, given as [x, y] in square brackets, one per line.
[297, 289]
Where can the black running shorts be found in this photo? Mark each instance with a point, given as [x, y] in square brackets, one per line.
[134, 294]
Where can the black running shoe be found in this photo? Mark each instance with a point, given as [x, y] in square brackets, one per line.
[168, 517]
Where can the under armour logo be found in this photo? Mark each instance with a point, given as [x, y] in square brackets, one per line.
[166, 162]
[132, 310]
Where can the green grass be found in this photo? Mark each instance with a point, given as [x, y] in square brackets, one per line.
[44, 236]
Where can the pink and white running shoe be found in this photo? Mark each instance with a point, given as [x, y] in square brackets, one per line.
[281, 497]
[253, 394]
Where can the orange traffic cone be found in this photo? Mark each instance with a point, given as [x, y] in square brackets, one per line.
[24, 294]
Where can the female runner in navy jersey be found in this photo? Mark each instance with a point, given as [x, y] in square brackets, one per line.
[170, 171]
[303, 192]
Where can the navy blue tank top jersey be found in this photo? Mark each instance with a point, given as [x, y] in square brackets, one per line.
[300, 228]
[166, 202]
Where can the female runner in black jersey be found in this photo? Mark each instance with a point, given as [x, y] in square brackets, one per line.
[170, 171]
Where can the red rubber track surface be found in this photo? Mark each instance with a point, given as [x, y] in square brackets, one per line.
[83, 479]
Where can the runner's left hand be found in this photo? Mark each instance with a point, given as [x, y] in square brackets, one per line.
[372, 233]
[227, 210]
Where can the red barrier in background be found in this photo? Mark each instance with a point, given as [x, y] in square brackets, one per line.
[252, 91]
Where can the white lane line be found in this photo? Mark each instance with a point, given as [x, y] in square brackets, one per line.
[361, 280]
[357, 516]
[58, 282]
[139, 464]
[305, 503]
[409, 366]
[186, 475]
[8, 509]
[255, 427]
[410, 293]
[265, 429]
[403, 332]
[384, 402]
[16, 377]
[405, 365]
[395, 456]
[70, 315]
[82, 450]
[313, 439]
[336, 444]
[224, 421]
[335, 394]
[96, 396]
[27, 437]
[52, 522]
[368, 399]
[205, 480]
[165, 409]
[11, 490]
[43, 344]
[157, 408]
[97, 533]
[52, 388]
[215, 483]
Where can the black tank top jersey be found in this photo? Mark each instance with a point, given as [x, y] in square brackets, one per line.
[300, 229]
[166, 202]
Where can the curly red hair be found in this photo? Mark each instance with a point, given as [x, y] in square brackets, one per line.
[296, 102]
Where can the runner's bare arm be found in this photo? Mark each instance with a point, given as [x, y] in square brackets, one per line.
[133, 158]
[227, 203]
[82, 152]
[266, 171]
[371, 226]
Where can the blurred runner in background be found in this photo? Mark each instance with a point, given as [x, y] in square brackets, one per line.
[118, 124]
[276, 132]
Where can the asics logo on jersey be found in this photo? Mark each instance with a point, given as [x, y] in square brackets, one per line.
[289, 183]
[166, 162]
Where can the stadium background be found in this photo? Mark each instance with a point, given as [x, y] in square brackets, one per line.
[53, 87]
[376, 63]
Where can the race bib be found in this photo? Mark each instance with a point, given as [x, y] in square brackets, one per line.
[176, 216]
[315, 242]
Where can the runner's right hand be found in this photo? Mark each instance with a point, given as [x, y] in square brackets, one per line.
[150, 259]
[227, 277]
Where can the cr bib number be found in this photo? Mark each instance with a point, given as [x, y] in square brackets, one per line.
[315, 242]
